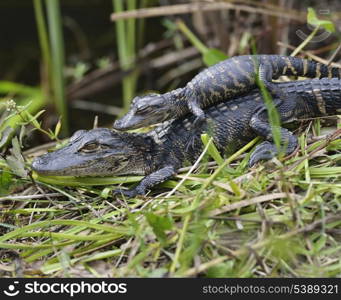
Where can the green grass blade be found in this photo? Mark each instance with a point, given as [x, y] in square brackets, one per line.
[43, 38]
[57, 51]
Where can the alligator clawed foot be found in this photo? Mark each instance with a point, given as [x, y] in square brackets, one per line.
[190, 145]
[197, 130]
[126, 193]
[199, 121]
[264, 151]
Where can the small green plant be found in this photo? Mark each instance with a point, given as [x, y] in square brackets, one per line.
[210, 56]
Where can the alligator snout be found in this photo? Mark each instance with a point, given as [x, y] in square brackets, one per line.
[39, 161]
[128, 121]
[118, 124]
[40, 164]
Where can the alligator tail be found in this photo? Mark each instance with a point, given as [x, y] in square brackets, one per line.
[289, 65]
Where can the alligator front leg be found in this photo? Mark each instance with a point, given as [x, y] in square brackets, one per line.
[195, 109]
[148, 182]
[267, 149]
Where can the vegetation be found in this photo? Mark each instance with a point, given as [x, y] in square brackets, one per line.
[218, 218]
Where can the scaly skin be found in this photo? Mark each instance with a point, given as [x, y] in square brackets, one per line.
[158, 154]
[225, 80]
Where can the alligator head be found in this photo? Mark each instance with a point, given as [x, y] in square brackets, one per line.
[97, 152]
[145, 111]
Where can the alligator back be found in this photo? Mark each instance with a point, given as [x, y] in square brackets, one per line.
[237, 75]
[229, 122]
[317, 97]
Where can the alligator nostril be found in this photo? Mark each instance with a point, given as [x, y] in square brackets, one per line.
[117, 124]
[38, 161]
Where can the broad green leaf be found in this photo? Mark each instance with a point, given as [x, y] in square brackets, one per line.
[5, 182]
[221, 270]
[159, 224]
[106, 192]
[6, 135]
[212, 150]
[16, 161]
[58, 127]
[213, 56]
[235, 188]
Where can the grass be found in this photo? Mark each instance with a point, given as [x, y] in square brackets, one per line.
[220, 219]
[43, 36]
[284, 221]
[126, 46]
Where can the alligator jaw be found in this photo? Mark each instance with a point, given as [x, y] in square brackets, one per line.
[128, 121]
[41, 166]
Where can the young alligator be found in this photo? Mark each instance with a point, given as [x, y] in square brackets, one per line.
[158, 154]
[218, 83]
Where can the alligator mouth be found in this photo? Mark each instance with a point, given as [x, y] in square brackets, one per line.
[38, 167]
[126, 123]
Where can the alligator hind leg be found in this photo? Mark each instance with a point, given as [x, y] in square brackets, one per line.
[148, 182]
[263, 151]
[267, 149]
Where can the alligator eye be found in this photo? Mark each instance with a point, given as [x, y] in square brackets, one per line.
[144, 110]
[91, 147]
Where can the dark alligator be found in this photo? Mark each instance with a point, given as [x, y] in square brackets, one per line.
[218, 83]
[159, 153]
